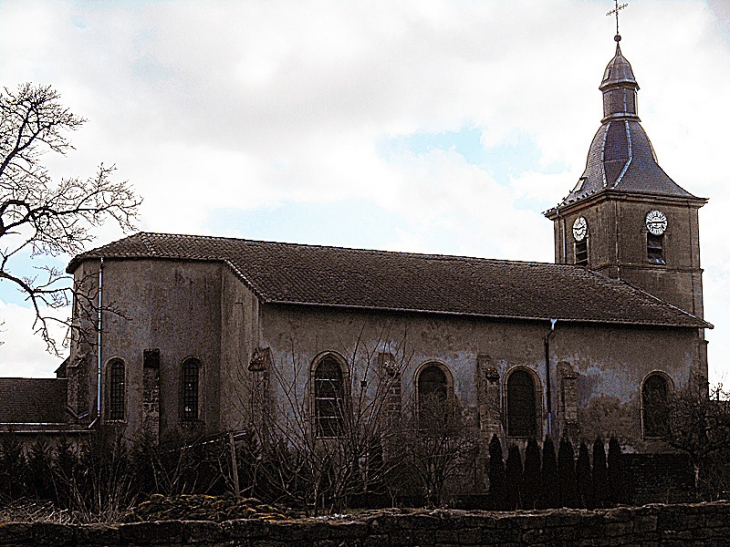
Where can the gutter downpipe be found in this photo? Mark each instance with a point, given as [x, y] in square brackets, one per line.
[547, 376]
[98, 342]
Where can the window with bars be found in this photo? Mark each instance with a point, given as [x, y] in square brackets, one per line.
[581, 252]
[655, 248]
[521, 405]
[329, 398]
[116, 390]
[190, 385]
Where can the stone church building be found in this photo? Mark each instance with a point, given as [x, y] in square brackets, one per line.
[216, 334]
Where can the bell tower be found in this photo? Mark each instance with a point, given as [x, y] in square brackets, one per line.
[625, 217]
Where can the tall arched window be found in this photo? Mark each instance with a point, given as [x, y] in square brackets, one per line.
[190, 384]
[432, 386]
[655, 399]
[434, 404]
[521, 405]
[116, 391]
[329, 398]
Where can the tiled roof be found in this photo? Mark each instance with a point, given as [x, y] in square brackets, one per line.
[621, 157]
[285, 273]
[32, 401]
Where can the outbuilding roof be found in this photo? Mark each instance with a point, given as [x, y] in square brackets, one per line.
[33, 401]
[285, 273]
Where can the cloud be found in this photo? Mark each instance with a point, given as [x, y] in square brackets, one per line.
[22, 354]
[244, 106]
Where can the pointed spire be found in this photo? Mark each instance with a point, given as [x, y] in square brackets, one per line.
[621, 156]
[619, 87]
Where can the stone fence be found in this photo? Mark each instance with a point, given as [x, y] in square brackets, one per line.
[681, 525]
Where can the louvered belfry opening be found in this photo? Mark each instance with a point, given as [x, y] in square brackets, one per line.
[521, 408]
[655, 248]
[329, 398]
[581, 253]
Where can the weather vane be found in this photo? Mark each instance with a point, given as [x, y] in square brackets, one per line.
[615, 10]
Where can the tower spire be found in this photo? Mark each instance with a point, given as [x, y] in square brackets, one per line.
[615, 11]
[621, 156]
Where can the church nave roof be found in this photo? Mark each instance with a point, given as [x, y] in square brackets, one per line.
[286, 273]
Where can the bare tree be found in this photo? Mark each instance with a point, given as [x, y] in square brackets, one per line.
[319, 457]
[43, 216]
[699, 424]
[437, 445]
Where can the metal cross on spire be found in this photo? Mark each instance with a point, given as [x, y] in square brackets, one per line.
[615, 10]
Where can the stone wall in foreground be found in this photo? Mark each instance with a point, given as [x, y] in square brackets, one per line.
[648, 526]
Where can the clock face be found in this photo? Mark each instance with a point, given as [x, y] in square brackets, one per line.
[580, 228]
[656, 222]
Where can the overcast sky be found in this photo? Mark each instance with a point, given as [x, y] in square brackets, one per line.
[436, 126]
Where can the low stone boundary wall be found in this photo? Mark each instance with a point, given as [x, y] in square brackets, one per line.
[665, 478]
[683, 525]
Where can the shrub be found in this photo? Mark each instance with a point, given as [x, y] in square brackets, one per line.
[566, 471]
[550, 494]
[618, 482]
[601, 492]
[496, 474]
[584, 479]
[531, 476]
[514, 478]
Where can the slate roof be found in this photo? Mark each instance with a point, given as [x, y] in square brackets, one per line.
[618, 70]
[621, 156]
[285, 273]
[33, 401]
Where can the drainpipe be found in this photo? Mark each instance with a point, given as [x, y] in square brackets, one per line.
[98, 341]
[547, 376]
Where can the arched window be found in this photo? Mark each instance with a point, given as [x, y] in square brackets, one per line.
[116, 390]
[521, 405]
[190, 383]
[654, 398]
[434, 404]
[432, 386]
[329, 398]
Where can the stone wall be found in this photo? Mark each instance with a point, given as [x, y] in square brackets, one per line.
[650, 526]
[666, 478]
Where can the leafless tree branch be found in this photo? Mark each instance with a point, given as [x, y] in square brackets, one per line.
[43, 216]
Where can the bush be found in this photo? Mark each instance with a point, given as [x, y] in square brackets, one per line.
[584, 479]
[601, 493]
[497, 490]
[531, 476]
[550, 494]
[618, 482]
[514, 478]
[566, 471]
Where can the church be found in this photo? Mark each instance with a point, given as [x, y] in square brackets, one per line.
[211, 334]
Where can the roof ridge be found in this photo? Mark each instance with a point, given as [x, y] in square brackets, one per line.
[434, 256]
[282, 272]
